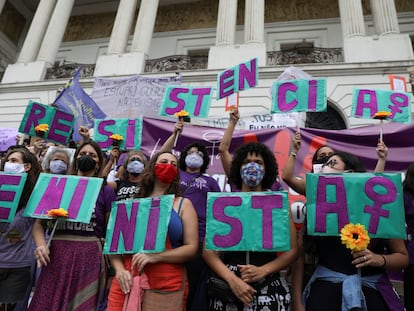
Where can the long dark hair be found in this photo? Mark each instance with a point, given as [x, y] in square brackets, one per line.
[271, 168]
[147, 179]
[32, 174]
[408, 183]
[98, 150]
[200, 147]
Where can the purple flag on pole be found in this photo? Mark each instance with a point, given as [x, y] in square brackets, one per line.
[74, 99]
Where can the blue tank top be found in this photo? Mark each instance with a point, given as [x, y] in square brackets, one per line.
[175, 228]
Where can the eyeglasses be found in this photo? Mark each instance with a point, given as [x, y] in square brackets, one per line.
[330, 163]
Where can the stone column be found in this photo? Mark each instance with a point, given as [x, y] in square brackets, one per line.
[122, 27]
[226, 22]
[55, 31]
[144, 27]
[352, 18]
[2, 3]
[36, 31]
[385, 18]
[254, 21]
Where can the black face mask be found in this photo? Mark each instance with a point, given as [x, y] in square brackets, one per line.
[85, 163]
[321, 160]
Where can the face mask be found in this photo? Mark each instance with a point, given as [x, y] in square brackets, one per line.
[58, 167]
[165, 173]
[85, 163]
[252, 174]
[135, 167]
[193, 160]
[13, 167]
[330, 170]
[317, 168]
[321, 160]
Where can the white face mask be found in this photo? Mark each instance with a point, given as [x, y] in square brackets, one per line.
[13, 167]
[317, 168]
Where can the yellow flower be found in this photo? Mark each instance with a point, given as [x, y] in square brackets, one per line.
[382, 115]
[116, 137]
[57, 212]
[355, 237]
[181, 114]
[41, 128]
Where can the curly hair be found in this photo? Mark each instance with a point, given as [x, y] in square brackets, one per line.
[200, 147]
[351, 162]
[271, 167]
[408, 183]
[147, 179]
[32, 174]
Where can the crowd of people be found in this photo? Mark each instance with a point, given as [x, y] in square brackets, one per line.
[68, 270]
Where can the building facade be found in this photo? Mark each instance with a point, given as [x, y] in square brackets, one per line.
[352, 43]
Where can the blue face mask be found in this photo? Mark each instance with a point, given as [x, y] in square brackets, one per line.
[135, 167]
[58, 167]
[193, 160]
[252, 174]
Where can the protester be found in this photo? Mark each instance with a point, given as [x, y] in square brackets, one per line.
[127, 186]
[408, 187]
[330, 287]
[253, 277]
[16, 257]
[73, 269]
[57, 160]
[165, 271]
[194, 185]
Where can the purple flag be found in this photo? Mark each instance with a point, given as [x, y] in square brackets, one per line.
[73, 99]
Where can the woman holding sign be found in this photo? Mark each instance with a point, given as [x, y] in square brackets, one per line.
[73, 268]
[165, 271]
[253, 277]
[336, 280]
[16, 257]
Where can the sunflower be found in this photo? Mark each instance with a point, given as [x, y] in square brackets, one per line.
[181, 114]
[355, 237]
[116, 137]
[41, 128]
[57, 212]
[381, 115]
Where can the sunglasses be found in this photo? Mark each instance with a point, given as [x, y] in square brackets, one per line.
[135, 159]
[330, 163]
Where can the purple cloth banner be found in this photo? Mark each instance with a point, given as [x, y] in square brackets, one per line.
[73, 99]
[360, 141]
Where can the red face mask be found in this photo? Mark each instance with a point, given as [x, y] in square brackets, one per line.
[165, 173]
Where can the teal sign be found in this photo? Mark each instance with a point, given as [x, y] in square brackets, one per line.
[248, 221]
[11, 189]
[373, 200]
[138, 226]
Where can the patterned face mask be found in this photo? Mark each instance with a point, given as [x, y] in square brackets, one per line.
[252, 174]
[135, 167]
[193, 160]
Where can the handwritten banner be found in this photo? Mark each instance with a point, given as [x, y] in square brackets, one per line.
[138, 226]
[248, 221]
[75, 194]
[60, 122]
[7, 138]
[366, 103]
[239, 78]
[11, 189]
[195, 100]
[133, 96]
[374, 200]
[299, 95]
[129, 129]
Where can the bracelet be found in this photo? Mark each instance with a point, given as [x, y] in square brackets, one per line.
[385, 261]
[293, 154]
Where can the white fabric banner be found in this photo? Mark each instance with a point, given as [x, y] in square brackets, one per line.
[131, 97]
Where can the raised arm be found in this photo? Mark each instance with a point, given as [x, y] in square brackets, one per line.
[169, 143]
[299, 185]
[382, 153]
[224, 146]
